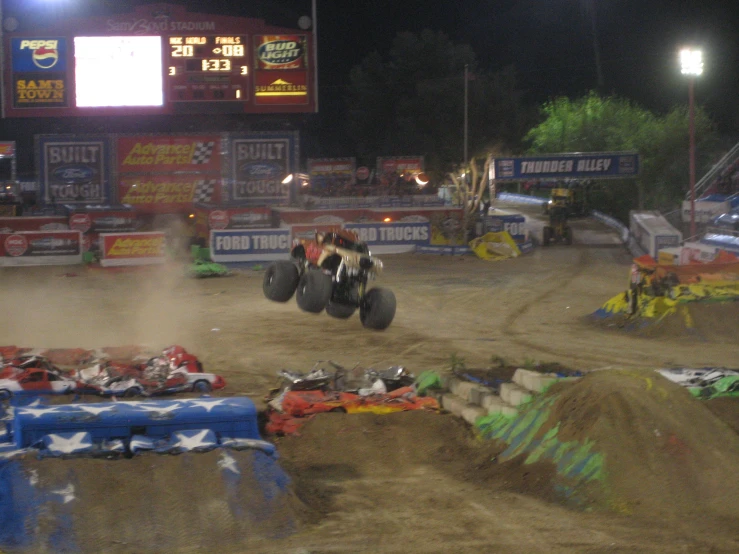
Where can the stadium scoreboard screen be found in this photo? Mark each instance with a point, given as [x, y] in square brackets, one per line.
[207, 68]
[166, 61]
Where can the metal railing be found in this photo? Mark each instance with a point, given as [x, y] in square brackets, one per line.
[708, 179]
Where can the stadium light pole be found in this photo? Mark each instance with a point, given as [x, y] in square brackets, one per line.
[691, 62]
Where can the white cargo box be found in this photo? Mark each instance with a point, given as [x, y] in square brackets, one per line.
[653, 232]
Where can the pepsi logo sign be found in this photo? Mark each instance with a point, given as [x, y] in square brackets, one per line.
[218, 219]
[80, 222]
[44, 53]
[16, 245]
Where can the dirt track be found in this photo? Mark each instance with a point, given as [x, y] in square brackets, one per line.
[523, 310]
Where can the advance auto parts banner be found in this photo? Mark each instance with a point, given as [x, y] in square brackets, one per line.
[259, 164]
[167, 192]
[74, 170]
[168, 173]
[171, 153]
[132, 248]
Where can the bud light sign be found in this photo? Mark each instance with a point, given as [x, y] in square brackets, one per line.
[74, 171]
[254, 245]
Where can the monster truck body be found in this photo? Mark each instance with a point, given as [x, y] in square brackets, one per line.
[331, 273]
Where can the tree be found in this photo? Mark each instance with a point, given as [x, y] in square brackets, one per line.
[601, 124]
[413, 102]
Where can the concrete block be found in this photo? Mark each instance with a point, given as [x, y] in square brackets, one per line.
[520, 375]
[495, 405]
[471, 392]
[541, 382]
[513, 394]
[472, 413]
[459, 407]
[453, 403]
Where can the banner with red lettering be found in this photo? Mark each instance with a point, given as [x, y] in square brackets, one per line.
[331, 172]
[40, 248]
[152, 154]
[119, 249]
[390, 169]
[168, 193]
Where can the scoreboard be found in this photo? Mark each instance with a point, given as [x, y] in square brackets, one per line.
[208, 68]
[159, 59]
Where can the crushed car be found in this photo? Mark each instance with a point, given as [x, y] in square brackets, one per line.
[173, 372]
[329, 387]
[33, 381]
[331, 273]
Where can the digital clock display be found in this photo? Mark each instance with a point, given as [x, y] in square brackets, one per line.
[208, 68]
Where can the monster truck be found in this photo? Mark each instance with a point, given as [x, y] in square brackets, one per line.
[331, 273]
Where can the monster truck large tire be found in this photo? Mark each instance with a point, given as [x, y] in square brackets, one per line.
[377, 309]
[280, 281]
[314, 291]
[340, 311]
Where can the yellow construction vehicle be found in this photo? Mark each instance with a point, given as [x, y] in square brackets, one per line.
[559, 212]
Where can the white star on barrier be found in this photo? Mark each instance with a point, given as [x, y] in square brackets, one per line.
[158, 408]
[36, 412]
[67, 493]
[95, 410]
[207, 405]
[190, 443]
[229, 463]
[33, 479]
[62, 444]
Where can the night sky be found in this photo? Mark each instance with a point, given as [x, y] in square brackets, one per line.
[548, 41]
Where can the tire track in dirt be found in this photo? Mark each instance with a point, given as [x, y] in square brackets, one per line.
[510, 325]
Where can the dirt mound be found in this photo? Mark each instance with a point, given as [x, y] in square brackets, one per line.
[162, 503]
[700, 321]
[664, 453]
[335, 447]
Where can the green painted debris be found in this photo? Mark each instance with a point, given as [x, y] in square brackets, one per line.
[427, 380]
[201, 268]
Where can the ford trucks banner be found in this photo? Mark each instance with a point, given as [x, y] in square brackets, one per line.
[607, 165]
[392, 238]
[119, 249]
[259, 164]
[41, 248]
[255, 245]
[74, 170]
[39, 67]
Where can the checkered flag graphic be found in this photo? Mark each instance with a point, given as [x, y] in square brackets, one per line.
[204, 190]
[202, 152]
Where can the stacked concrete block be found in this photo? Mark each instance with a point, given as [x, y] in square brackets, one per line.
[533, 380]
[515, 395]
[470, 401]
